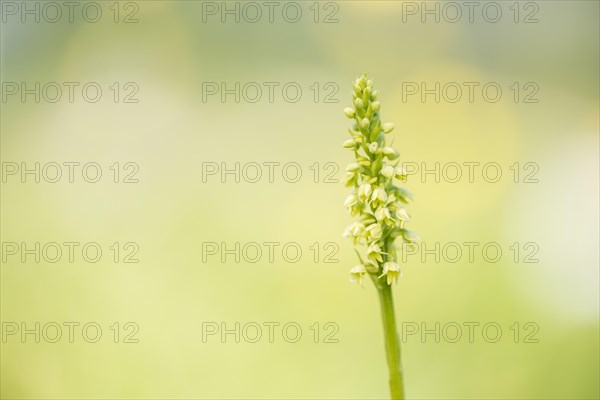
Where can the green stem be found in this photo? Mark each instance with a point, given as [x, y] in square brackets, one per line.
[392, 344]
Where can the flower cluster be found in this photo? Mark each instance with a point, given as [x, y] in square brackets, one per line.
[376, 202]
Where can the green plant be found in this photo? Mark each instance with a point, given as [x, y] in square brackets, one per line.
[378, 205]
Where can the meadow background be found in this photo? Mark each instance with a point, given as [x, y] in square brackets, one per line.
[171, 132]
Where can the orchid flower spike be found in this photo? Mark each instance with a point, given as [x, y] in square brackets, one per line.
[376, 202]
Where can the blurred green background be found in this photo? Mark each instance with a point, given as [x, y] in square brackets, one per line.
[171, 132]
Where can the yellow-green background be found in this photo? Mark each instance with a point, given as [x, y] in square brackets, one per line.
[171, 132]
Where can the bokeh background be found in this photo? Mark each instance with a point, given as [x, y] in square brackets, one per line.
[171, 132]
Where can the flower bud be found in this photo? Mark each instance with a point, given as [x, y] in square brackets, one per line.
[387, 171]
[353, 167]
[388, 127]
[349, 144]
[410, 236]
[350, 112]
[363, 161]
[390, 153]
[376, 106]
[364, 123]
[359, 103]
[373, 147]
[362, 81]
